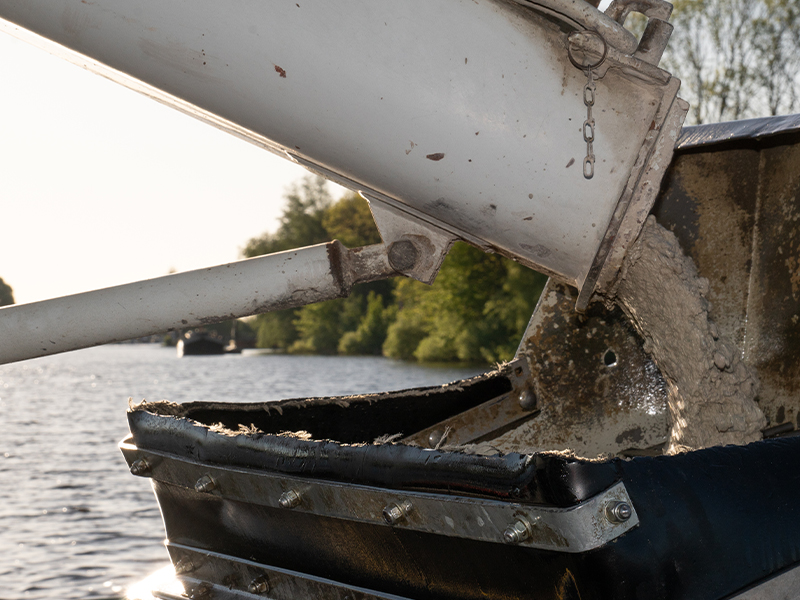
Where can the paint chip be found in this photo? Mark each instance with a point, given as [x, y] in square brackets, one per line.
[280, 71]
[435, 156]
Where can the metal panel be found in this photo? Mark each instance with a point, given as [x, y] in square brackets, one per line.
[239, 579]
[477, 124]
[735, 209]
[597, 389]
[581, 528]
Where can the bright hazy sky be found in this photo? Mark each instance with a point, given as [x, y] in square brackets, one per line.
[102, 186]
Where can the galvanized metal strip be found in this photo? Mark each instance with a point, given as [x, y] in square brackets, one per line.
[249, 580]
[785, 586]
[586, 526]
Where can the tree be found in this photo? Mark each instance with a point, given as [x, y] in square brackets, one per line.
[6, 293]
[476, 311]
[736, 58]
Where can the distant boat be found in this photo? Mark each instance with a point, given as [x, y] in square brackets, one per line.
[202, 343]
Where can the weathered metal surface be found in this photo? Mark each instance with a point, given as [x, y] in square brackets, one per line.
[247, 287]
[488, 420]
[735, 208]
[239, 579]
[785, 586]
[637, 202]
[732, 131]
[576, 529]
[467, 127]
[597, 389]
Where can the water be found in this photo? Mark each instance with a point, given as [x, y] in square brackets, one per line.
[73, 522]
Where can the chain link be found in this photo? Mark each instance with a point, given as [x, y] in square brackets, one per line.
[588, 96]
[588, 124]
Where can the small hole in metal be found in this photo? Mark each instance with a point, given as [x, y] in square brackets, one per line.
[610, 358]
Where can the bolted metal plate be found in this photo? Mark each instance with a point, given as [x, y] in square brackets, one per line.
[580, 528]
[239, 579]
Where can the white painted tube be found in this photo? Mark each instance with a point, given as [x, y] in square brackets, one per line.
[466, 114]
[248, 287]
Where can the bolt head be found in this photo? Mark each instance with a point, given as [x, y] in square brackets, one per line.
[516, 533]
[618, 512]
[290, 499]
[259, 585]
[205, 484]
[184, 565]
[433, 438]
[396, 512]
[140, 467]
[403, 255]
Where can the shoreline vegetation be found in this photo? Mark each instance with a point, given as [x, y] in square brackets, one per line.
[475, 312]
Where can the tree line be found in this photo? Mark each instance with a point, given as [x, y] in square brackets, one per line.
[6, 293]
[476, 311]
[736, 58]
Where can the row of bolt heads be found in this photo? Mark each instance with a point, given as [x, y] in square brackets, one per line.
[615, 511]
[259, 585]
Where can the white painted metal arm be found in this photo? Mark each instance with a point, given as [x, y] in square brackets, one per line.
[248, 287]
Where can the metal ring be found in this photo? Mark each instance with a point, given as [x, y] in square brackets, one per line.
[588, 67]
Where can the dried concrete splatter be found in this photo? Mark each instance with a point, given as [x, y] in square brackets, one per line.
[711, 390]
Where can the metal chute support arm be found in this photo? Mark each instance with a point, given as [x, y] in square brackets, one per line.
[247, 287]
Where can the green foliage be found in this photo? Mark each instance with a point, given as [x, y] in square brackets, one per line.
[6, 293]
[349, 220]
[301, 221]
[736, 58]
[475, 312]
[370, 335]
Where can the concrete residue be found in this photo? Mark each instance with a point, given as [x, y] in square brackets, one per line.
[711, 390]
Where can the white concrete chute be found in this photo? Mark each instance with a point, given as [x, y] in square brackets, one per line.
[474, 127]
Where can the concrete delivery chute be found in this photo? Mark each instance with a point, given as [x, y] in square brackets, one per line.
[599, 463]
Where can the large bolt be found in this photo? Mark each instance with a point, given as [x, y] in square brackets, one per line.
[517, 533]
[205, 485]
[140, 467]
[403, 255]
[618, 512]
[396, 512]
[290, 499]
[259, 585]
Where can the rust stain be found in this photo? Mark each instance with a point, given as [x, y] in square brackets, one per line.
[436, 156]
[280, 71]
[570, 163]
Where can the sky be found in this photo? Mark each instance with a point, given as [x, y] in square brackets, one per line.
[102, 186]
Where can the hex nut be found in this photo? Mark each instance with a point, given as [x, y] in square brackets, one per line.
[290, 499]
[517, 533]
[184, 565]
[259, 585]
[396, 512]
[140, 467]
[205, 484]
[618, 512]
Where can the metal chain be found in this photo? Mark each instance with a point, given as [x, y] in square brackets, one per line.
[588, 125]
[588, 97]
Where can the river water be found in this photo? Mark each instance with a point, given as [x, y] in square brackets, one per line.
[73, 522]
